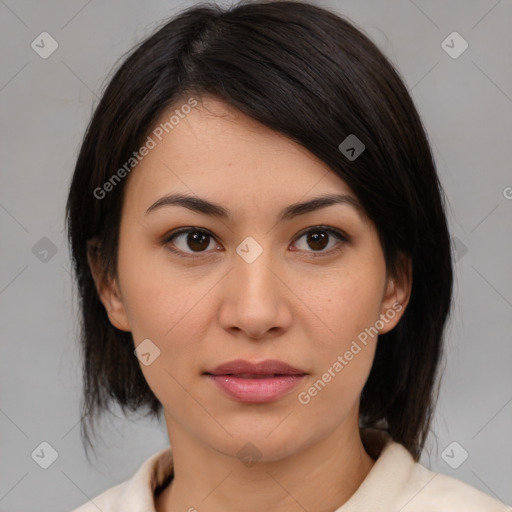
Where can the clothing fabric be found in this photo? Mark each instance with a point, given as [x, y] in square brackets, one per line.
[396, 483]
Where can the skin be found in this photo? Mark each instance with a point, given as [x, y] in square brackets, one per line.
[287, 305]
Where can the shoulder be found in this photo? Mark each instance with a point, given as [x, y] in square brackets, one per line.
[429, 491]
[398, 482]
[137, 493]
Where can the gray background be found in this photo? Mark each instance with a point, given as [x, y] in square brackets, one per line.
[466, 105]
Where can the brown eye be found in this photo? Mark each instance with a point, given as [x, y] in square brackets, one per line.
[318, 239]
[197, 241]
[189, 241]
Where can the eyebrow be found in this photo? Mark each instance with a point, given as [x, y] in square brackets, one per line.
[206, 207]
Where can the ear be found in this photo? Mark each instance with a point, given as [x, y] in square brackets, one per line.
[107, 288]
[396, 295]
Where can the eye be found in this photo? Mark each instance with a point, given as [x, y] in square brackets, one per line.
[192, 242]
[320, 237]
[197, 240]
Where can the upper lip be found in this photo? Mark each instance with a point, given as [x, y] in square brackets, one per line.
[267, 367]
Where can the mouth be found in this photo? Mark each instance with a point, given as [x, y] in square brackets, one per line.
[247, 369]
[250, 375]
[262, 382]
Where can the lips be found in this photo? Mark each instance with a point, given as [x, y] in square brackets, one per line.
[262, 382]
[264, 369]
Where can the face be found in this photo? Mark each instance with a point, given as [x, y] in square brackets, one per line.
[308, 288]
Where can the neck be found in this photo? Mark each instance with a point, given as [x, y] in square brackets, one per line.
[321, 477]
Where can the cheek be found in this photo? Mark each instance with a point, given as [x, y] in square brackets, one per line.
[154, 297]
[167, 309]
[346, 302]
[344, 352]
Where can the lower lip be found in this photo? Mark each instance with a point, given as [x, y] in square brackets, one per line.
[256, 390]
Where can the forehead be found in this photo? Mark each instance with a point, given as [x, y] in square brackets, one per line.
[216, 151]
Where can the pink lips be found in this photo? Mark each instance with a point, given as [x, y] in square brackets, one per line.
[256, 382]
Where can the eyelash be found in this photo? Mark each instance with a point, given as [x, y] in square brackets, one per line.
[343, 238]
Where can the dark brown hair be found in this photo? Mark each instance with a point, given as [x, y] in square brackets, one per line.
[311, 75]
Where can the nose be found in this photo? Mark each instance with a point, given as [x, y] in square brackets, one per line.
[255, 300]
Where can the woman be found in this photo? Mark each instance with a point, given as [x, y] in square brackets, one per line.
[262, 256]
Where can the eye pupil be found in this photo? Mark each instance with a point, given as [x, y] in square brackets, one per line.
[196, 237]
[318, 239]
